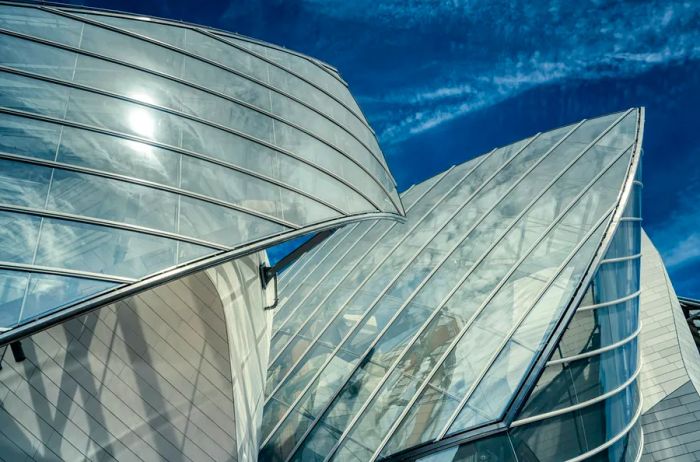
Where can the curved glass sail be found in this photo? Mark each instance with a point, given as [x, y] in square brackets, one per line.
[400, 335]
[131, 146]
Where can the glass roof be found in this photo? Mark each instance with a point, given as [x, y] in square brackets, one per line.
[129, 147]
[394, 335]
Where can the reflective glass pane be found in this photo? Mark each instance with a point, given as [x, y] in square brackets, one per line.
[28, 137]
[491, 449]
[222, 225]
[13, 285]
[49, 293]
[98, 249]
[82, 194]
[23, 184]
[18, 237]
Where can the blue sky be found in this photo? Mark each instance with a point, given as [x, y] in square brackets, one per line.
[444, 81]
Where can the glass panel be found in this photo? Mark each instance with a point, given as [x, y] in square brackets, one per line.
[593, 329]
[187, 252]
[13, 285]
[18, 236]
[231, 186]
[571, 434]
[38, 23]
[34, 57]
[85, 195]
[98, 249]
[33, 96]
[564, 385]
[28, 137]
[222, 225]
[117, 155]
[626, 241]
[48, 293]
[23, 184]
[616, 280]
[491, 449]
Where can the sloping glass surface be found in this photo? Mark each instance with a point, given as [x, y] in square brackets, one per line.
[432, 328]
[597, 357]
[129, 147]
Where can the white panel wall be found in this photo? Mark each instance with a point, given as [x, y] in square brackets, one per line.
[146, 379]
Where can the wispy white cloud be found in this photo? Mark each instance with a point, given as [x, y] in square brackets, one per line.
[490, 52]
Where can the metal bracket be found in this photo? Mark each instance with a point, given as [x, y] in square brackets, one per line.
[268, 274]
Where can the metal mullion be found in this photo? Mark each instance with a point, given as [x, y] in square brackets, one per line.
[598, 351]
[413, 294]
[349, 271]
[621, 259]
[357, 288]
[184, 151]
[548, 415]
[176, 112]
[464, 277]
[175, 49]
[308, 275]
[630, 219]
[509, 335]
[6, 265]
[609, 302]
[108, 223]
[149, 184]
[522, 213]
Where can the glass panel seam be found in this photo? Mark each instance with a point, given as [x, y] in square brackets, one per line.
[597, 352]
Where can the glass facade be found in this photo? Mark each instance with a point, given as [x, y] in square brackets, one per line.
[131, 146]
[393, 336]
